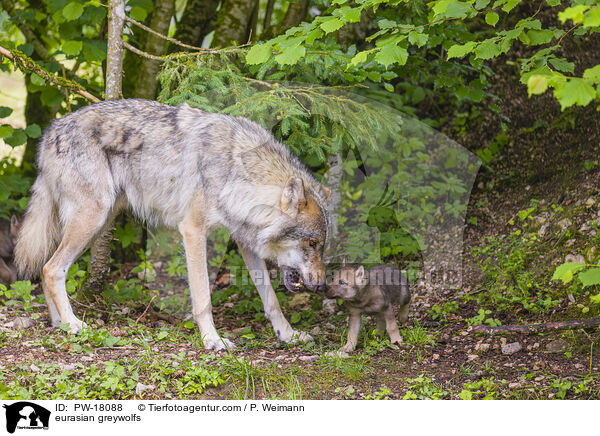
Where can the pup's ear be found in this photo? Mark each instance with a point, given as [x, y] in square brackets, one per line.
[292, 196]
[325, 192]
[359, 275]
[15, 225]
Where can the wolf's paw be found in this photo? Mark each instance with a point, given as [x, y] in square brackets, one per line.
[297, 337]
[218, 344]
[73, 325]
[348, 348]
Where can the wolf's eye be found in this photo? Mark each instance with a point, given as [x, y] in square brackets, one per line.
[313, 244]
[342, 282]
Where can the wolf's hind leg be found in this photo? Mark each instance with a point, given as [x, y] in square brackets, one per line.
[194, 239]
[80, 230]
[260, 277]
[392, 326]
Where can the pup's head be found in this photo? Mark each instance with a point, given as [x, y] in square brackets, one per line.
[299, 246]
[347, 282]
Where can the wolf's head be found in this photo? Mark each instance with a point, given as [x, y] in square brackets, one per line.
[347, 282]
[299, 246]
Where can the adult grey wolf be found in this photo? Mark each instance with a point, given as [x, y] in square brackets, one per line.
[187, 169]
[373, 292]
[8, 236]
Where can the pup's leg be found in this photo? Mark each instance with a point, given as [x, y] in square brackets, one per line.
[194, 239]
[261, 279]
[403, 315]
[84, 224]
[392, 326]
[353, 329]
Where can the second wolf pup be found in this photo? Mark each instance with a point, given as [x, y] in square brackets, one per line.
[372, 292]
[8, 236]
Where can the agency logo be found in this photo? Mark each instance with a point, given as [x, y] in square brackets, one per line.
[26, 415]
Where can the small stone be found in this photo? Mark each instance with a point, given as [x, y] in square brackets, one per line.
[482, 347]
[436, 356]
[34, 368]
[300, 299]
[67, 366]
[577, 258]
[316, 331]
[539, 378]
[472, 357]
[329, 326]
[281, 357]
[21, 323]
[565, 224]
[590, 201]
[308, 358]
[140, 387]
[557, 346]
[512, 348]
[330, 305]
[514, 385]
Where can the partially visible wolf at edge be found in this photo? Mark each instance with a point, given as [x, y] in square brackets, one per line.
[184, 168]
[8, 236]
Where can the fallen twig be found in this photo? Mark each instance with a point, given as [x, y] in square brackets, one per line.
[534, 328]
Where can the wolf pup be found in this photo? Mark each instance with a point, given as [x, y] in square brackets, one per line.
[184, 168]
[373, 292]
[8, 236]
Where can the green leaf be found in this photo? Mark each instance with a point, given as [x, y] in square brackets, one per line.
[52, 97]
[575, 13]
[592, 17]
[537, 37]
[565, 271]
[418, 39]
[138, 13]
[573, 92]
[562, 65]
[458, 51]
[592, 73]
[590, 277]
[37, 80]
[465, 395]
[258, 54]
[33, 131]
[94, 51]
[6, 130]
[457, 10]
[295, 317]
[18, 138]
[5, 111]
[331, 25]
[487, 50]
[359, 57]
[291, 55]
[491, 18]
[72, 11]
[72, 48]
[537, 84]
[391, 54]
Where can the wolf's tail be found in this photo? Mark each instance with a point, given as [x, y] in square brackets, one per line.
[39, 233]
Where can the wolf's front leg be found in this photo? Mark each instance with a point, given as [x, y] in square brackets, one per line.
[194, 239]
[353, 330]
[261, 279]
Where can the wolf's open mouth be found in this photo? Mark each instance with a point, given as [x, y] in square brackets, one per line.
[292, 279]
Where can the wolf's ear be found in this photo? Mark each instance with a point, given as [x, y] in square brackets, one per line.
[15, 225]
[325, 192]
[292, 196]
[359, 275]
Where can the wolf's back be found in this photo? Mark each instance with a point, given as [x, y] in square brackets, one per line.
[39, 233]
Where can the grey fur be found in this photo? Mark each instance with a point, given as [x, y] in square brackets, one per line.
[8, 236]
[181, 167]
[373, 292]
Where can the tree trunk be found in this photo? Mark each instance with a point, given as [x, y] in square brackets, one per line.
[234, 22]
[333, 180]
[197, 21]
[295, 14]
[99, 267]
[147, 83]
